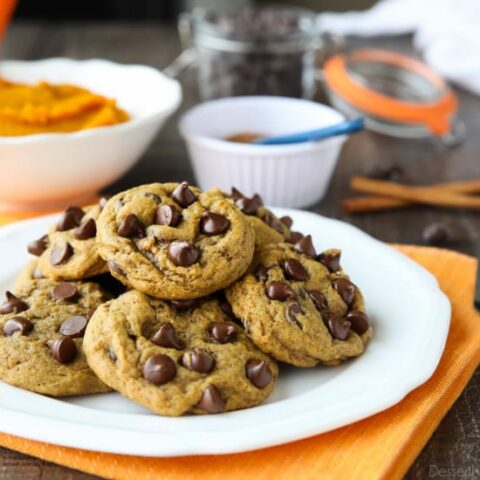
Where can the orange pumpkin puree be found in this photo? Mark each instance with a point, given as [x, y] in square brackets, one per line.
[47, 108]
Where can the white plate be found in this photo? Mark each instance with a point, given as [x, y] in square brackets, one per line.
[410, 317]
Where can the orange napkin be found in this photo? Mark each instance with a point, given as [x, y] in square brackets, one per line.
[382, 446]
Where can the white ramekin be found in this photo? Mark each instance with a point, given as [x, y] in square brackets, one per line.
[49, 170]
[285, 175]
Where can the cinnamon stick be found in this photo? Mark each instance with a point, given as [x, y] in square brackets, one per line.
[373, 203]
[370, 203]
[453, 197]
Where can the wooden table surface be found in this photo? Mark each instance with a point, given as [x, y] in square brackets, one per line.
[456, 442]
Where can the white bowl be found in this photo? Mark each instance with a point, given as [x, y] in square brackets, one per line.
[47, 170]
[294, 175]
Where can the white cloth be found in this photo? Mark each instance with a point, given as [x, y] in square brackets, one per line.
[446, 31]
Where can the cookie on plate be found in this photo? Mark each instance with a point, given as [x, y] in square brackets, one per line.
[177, 357]
[173, 241]
[268, 227]
[69, 250]
[30, 273]
[300, 307]
[41, 334]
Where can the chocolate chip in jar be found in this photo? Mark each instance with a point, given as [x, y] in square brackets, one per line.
[273, 52]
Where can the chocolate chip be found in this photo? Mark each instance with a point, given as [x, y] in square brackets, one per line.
[65, 291]
[293, 269]
[184, 304]
[17, 324]
[214, 223]
[112, 355]
[318, 300]
[359, 321]
[258, 373]
[272, 221]
[183, 254]
[12, 304]
[183, 195]
[339, 327]
[294, 309]
[295, 237]
[168, 215]
[153, 196]
[249, 206]
[103, 201]
[60, 254]
[115, 268]
[166, 337]
[393, 173]
[257, 198]
[223, 332]
[131, 227]
[64, 349]
[198, 361]
[159, 369]
[346, 289]
[261, 273]
[236, 194]
[74, 326]
[279, 291]
[86, 230]
[37, 247]
[305, 245]
[211, 401]
[227, 309]
[330, 260]
[438, 234]
[71, 218]
[287, 221]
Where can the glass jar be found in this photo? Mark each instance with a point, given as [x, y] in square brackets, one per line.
[396, 94]
[253, 51]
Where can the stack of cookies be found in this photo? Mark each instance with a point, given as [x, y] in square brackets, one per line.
[180, 300]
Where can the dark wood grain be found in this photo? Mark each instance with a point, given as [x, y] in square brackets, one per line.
[456, 442]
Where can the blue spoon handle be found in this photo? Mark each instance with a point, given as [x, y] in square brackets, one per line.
[344, 128]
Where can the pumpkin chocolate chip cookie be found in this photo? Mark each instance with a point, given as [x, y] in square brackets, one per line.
[268, 227]
[69, 250]
[301, 307]
[177, 357]
[174, 241]
[28, 274]
[41, 333]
